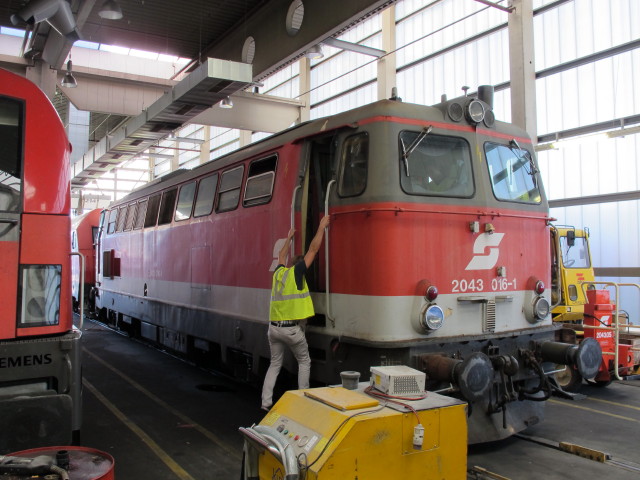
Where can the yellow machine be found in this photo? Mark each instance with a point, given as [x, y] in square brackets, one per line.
[336, 433]
[570, 267]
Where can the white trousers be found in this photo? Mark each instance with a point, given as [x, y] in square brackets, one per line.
[279, 339]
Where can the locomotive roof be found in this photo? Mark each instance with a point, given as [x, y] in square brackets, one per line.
[348, 119]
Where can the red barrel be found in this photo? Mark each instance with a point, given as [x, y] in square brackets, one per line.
[84, 463]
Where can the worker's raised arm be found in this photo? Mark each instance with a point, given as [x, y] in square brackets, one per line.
[282, 255]
[314, 247]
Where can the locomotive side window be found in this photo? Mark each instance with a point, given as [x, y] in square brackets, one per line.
[513, 173]
[166, 206]
[122, 216]
[140, 213]
[11, 114]
[435, 165]
[152, 211]
[353, 165]
[229, 193]
[131, 216]
[206, 195]
[111, 225]
[185, 201]
[260, 181]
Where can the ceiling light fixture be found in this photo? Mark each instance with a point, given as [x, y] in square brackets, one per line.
[69, 80]
[314, 53]
[110, 10]
[226, 103]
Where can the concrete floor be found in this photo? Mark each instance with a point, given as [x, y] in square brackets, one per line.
[161, 418]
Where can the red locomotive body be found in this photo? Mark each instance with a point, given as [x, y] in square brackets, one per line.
[436, 256]
[39, 348]
[84, 232]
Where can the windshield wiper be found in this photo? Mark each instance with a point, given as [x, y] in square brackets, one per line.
[406, 152]
[523, 160]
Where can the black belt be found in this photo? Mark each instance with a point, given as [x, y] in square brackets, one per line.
[285, 324]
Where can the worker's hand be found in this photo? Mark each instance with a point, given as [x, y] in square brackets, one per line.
[324, 223]
[292, 232]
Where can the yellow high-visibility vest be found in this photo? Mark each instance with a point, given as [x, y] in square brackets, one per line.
[287, 302]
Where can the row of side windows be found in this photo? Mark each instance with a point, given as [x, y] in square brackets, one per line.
[197, 198]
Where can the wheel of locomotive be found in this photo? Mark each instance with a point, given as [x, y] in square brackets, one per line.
[569, 378]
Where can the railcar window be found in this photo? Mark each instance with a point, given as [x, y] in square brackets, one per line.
[122, 216]
[140, 213]
[512, 173]
[206, 195]
[435, 165]
[185, 201]
[152, 211]
[353, 165]
[111, 225]
[40, 300]
[166, 206]
[229, 193]
[260, 181]
[131, 216]
[11, 115]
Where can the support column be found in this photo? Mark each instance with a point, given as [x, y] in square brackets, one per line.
[205, 147]
[244, 138]
[304, 84]
[522, 66]
[387, 64]
[44, 77]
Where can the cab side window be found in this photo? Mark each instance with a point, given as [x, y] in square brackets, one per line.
[353, 164]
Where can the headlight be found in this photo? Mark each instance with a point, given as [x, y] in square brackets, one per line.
[431, 317]
[475, 111]
[540, 308]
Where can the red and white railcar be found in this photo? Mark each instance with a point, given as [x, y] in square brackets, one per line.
[437, 255]
[84, 233]
[40, 390]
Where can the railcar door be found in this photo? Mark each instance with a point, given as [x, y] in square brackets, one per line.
[319, 174]
[11, 154]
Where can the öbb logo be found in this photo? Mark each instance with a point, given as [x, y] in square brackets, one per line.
[485, 251]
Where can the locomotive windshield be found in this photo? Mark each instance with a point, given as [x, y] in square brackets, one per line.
[513, 173]
[10, 154]
[575, 254]
[435, 165]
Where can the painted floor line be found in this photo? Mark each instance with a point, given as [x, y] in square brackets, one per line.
[155, 448]
[614, 403]
[211, 436]
[594, 410]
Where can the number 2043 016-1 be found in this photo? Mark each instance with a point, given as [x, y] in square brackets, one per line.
[478, 285]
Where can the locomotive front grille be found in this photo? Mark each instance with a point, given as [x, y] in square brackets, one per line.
[489, 316]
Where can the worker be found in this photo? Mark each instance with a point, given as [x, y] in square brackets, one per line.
[290, 305]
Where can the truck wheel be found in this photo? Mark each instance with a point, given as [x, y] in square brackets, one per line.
[569, 379]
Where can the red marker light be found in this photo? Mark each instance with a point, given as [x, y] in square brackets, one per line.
[431, 293]
[539, 288]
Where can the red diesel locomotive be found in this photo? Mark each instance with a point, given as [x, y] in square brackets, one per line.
[40, 386]
[437, 256]
[84, 233]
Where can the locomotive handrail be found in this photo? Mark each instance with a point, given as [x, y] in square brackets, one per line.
[81, 293]
[416, 210]
[12, 221]
[326, 258]
[293, 219]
